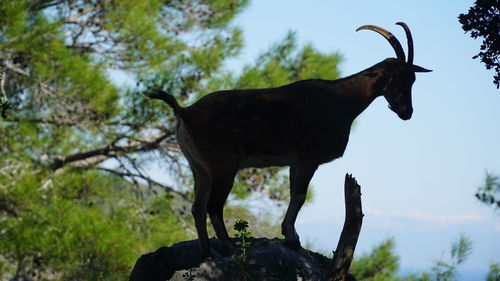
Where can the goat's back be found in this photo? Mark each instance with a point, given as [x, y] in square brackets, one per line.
[299, 120]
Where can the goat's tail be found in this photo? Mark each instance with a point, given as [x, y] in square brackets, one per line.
[167, 98]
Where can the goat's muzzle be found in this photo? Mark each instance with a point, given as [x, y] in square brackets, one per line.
[403, 112]
[406, 114]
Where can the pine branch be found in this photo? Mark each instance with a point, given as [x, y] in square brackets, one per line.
[93, 157]
[150, 181]
[72, 123]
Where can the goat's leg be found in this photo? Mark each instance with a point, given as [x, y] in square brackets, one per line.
[300, 176]
[221, 186]
[199, 209]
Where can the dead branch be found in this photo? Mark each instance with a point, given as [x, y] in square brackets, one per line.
[350, 232]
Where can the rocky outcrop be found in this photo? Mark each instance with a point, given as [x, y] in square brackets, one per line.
[266, 260]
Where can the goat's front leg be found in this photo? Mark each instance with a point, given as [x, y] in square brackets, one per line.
[300, 176]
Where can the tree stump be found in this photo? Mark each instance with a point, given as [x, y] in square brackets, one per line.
[350, 232]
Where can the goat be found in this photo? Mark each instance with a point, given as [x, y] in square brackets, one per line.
[301, 125]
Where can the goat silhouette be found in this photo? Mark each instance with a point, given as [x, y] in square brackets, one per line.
[301, 125]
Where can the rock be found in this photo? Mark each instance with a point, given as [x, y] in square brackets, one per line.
[266, 260]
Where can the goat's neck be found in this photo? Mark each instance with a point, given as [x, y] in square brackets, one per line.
[359, 90]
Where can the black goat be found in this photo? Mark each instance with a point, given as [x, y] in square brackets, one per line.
[301, 125]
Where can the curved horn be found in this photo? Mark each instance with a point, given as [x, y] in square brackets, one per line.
[410, 41]
[389, 36]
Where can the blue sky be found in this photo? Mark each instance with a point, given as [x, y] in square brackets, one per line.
[418, 177]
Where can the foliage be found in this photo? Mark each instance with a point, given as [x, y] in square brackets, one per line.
[264, 225]
[76, 198]
[483, 20]
[494, 274]
[489, 194]
[243, 236]
[460, 251]
[382, 264]
[85, 226]
[283, 63]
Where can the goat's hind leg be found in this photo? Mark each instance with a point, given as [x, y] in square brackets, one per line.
[221, 183]
[199, 208]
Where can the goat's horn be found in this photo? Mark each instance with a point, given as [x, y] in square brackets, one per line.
[390, 37]
[410, 41]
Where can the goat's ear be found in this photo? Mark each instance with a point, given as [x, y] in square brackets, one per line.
[417, 68]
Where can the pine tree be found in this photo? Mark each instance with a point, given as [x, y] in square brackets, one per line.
[382, 264]
[76, 200]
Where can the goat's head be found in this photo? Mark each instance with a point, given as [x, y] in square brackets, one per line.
[399, 72]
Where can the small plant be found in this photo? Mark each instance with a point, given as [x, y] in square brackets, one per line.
[241, 226]
[245, 270]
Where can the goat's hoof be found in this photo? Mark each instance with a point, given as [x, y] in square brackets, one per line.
[229, 250]
[205, 254]
[214, 255]
[209, 253]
